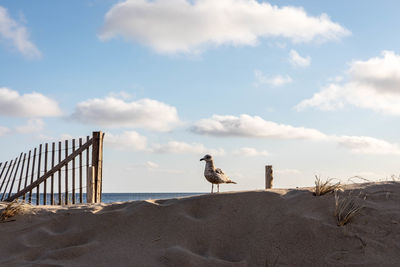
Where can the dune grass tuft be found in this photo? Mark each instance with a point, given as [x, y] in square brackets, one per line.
[346, 208]
[12, 209]
[322, 188]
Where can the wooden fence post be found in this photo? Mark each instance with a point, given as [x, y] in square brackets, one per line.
[268, 176]
[97, 164]
[90, 185]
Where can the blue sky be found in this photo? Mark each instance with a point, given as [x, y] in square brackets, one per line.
[309, 87]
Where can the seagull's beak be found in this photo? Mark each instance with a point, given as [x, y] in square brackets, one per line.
[201, 159]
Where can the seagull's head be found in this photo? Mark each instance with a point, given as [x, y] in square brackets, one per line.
[206, 158]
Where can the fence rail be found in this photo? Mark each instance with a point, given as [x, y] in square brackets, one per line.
[37, 171]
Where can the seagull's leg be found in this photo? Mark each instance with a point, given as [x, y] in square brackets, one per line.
[218, 187]
[212, 187]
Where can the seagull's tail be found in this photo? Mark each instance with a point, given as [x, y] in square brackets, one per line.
[230, 182]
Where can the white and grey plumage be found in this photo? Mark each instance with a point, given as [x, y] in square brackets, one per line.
[215, 175]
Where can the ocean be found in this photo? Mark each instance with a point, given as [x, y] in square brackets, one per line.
[110, 197]
[117, 197]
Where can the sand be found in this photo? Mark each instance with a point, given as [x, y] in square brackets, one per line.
[253, 228]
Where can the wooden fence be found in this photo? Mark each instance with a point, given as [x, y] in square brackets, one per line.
[56, 175]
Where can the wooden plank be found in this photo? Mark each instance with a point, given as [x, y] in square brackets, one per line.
[46, 150]
[2, 171]
[268, 177]
[66, 174]
[87, 165]
[15, 176]
[22, 172]
[73, 173]
[27, 173]
[90, 197]
[59, 174]
[97, 158]
[8, 180]
[80, 173]
[38, 175]
[33, 172]
[53, 148]
[50, 172]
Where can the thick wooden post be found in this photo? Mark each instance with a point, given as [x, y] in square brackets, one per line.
[97, 164]
[90, 185]
[268, 176]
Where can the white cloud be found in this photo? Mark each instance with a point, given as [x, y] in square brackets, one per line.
[128, 140]
[177, 147]
[277, 80]
[253, 126]
[296, 60]
[15, 33]
[372, 84]
[114, 112]
[188, 26]
[4, 130]
[368, 145]
[32, 126]
[256, 127]
[250, 152]
[27, 105]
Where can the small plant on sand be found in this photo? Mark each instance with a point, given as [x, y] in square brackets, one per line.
[321, 188]
[11, 210]
[346, 208]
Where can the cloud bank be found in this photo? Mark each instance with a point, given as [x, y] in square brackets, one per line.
[252, 126]
[17, 35]
[256, 127]
[372, 84]
[114, 112]
[187, 26]
[27, 105]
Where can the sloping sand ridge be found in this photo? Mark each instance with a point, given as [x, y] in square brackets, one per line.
[254, 228]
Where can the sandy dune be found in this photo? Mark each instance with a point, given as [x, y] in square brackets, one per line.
[255, 228]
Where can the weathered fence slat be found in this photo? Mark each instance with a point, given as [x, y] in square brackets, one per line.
[38, 175]
[66, 173]
[87, 169]
[2, 171]
[22, 172]
[46, 150]
[5, 176]
[27, 172]
[15, 175]
[73, 173]
[80, 173]
[8, 180]
[59, 174]
[33, 173]
[53, 148]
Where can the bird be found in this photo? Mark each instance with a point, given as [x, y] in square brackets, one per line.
[215, 175]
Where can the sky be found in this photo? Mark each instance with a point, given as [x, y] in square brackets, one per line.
[309, 87]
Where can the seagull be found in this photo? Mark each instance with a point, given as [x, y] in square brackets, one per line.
[214, 175]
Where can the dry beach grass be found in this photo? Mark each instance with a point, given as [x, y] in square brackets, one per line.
[278, 227]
